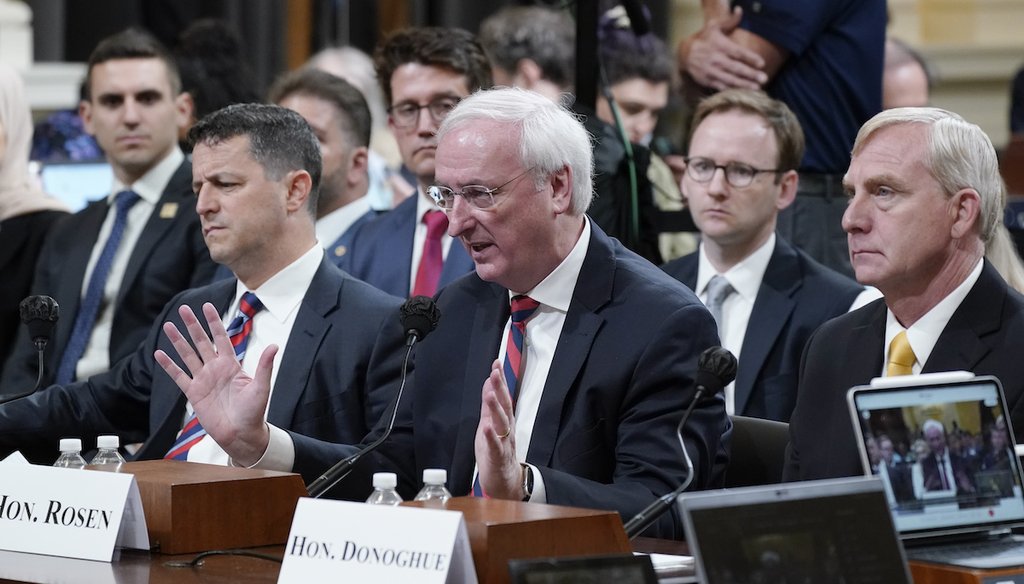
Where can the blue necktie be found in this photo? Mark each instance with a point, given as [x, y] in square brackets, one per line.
[90, 307]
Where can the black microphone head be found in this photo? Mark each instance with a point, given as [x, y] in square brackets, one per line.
[419, 316]
[638, 18]
[39, 313]
[716, 368]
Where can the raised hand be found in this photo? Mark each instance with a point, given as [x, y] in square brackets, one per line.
[228, 402]
[495, 443]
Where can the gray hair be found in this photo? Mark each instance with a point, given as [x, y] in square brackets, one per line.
[551, 136]
[959, 156]
[933, 424]
[544, 35]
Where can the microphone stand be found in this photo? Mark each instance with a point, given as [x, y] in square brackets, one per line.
[40, 347]
[339, 471]
[645, 518]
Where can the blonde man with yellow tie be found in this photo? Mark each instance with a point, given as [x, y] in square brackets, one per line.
[924, 197]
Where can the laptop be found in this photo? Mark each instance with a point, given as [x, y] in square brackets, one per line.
[943, 447]
[832, 530]
[77, 183]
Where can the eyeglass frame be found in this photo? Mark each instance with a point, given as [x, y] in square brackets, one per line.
[435, 193]
[725, 171]
[420, 107]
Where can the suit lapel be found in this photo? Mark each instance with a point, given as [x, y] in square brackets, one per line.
[158, 224]
[322, 298]
[960, 346]
[593, 290]
[72, 279]
[395, 253]
[772, 307]
[492, 310]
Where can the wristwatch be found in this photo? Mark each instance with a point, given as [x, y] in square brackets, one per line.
[527, 481]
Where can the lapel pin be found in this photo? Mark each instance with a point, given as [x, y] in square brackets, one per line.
[168, 211]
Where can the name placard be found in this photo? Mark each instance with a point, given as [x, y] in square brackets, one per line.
[68, 512]
[340, 541]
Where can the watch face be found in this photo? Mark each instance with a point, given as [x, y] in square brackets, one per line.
[527, 482]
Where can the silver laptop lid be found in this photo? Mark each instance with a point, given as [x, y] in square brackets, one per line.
[943, 446]
[833, 530]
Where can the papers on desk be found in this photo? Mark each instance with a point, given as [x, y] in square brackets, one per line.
[673, 569]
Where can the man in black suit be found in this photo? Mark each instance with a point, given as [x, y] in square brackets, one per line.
[925, 195]
[335, 341]
[776, 295]
[114, 265]
[602, 369]
[942, 469]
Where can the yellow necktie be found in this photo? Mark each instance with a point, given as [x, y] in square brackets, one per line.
[901, 356]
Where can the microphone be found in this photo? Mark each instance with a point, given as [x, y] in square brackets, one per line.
[39, 313]
[419, 316]
[716, 368]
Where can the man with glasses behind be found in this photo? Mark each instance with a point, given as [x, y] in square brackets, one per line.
[767, 296]
[424, 73]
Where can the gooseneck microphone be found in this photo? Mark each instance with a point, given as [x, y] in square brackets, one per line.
[419, 316]
[716, 368]
[39, 313]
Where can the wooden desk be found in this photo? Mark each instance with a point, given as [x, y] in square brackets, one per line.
[133, 566]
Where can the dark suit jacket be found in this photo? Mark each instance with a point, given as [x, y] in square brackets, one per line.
[381, 252]
[337, 249]
[336, 377]
[796, 296]
[621, 376]
[170, 256]
[984, 336]
[932, 480]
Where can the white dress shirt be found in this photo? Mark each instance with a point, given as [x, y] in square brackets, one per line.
[334, 224]
[424, 204]
[281, 296]
[96, 358]
[924, 333]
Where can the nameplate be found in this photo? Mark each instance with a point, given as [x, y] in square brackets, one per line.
[338, 541]
[68, 512]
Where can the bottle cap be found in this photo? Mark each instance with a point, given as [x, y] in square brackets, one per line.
[112, 442]
[70, 444]
[385, 480]
[435, 476]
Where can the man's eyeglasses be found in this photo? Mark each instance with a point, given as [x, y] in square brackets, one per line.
[405, 115]
[737, 174]
[478, 196]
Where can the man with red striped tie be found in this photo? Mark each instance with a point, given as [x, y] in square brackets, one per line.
[559, 370]
[334, 341]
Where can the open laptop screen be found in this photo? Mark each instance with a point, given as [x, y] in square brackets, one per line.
[834, 530]
[77, 183]
[945, 453]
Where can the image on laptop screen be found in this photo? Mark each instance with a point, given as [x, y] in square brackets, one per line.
[944, 452]
[833, 530]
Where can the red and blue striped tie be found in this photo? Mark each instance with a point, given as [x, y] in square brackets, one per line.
[523, 308]
[238, 333]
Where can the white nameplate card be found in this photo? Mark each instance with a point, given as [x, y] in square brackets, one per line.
[68, 512]
[338, 541]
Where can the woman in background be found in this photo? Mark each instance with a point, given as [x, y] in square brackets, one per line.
[26, 212]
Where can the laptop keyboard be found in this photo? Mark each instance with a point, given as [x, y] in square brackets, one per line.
[988, 549]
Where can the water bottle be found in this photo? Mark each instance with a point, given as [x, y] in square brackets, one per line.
[384, 492]
[433, 486]
[108, 453]
[70, 454]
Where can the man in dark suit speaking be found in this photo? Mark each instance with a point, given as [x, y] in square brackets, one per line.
[559, 370]
[942, 470]
[767, 295]
[925, 195]
[256, 171]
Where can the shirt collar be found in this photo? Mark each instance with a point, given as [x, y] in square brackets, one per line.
[283, 292]
[923, 334]
[745, 276]
[423, 204]
[334, 224]
[556, 290]
[151, 186]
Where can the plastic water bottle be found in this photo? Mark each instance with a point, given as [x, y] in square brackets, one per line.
[70, 454]
[108, 453]
[433, 486]
[384, 492]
